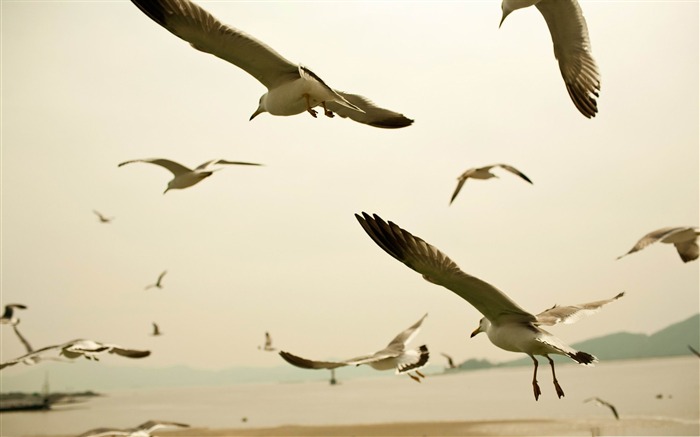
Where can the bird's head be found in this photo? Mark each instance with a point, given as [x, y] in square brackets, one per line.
[483, 326]
[261, 107]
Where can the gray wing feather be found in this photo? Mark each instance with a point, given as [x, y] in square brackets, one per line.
[652, 237]
[572, 313]
[373, 115]
[400, 341]
[174, 168]
[514, 170]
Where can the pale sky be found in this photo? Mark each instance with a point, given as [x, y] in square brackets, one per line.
[89, 84]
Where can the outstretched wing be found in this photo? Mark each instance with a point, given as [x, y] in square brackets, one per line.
[373, 115]
[174, 168]
[652, 237]
[24, 341]
[437, 268]
[460, 182]
[105, 432]
[310, 364]
[572, 313]
[400, 341]
[514, 170]
[128, 353]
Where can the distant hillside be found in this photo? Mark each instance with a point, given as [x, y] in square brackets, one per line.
[83, 375]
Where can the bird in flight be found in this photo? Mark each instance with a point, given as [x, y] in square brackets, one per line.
[291, 88]
[484, 173]
[601, 403]
[450, 361]
[32, 359]
[572, 48]
[102, 218]
[8, 316]
[156, 330]
[143, 430]
[183, 176]
[159, 282]
[506, 324]
[393, 356]
[81, 347]
[683, 237]
[268, 343]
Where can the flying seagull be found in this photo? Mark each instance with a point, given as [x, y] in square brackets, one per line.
[394, 356]
[158, 283]
[602, 403]
[102, 218]
[268, 343]
[507, 325]
[183, 176]
[156, 330]
[484, 173]
[450, 361]
[684, 238]
[572, 48]
[8, 315]
[291, 89]
[81, 347]
[143, 430]
[33, 359]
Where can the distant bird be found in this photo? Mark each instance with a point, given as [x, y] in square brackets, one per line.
[291, 89]
[602, 403]
[143, 430]
[156, 330]
[158, 283]
[33, 359]
[484, 173]
[684, 238]
[572, 48]
[694, 351]
[268, 343]
[450, 362]
[333, 381]
[8, 315]
[102, 218]
[394, 356]
[507, 325]
[183, 176]
[76, 348]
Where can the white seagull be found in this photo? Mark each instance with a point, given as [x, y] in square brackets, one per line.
[572, 48]
[8, 315]
[684, 238]
[507, 325]
[394, 356]
[450, 361]
[102, 218]
[156, 330]
[268, 343]
[183, 176]
[143, 430]
[484, 173]
[159, 281]
[291, 89]
[81, 347]
[601, 403]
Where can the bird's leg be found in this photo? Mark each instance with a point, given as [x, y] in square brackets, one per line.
[420, 374]
[535, 386]
[308, 106]
[415, 378]
[560, 392]
[326, 111]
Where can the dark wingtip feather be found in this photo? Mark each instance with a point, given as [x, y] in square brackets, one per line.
[393, 123]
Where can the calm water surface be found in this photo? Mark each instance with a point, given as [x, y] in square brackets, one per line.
[491, 394]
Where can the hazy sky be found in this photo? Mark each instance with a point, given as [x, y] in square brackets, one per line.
[89, 84]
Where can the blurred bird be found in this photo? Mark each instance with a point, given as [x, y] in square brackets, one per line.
[33, 359]
[102, 218]
[684, 238]
[158, 283]
[8, 315]
[81, 347]
[143, 430]
[601, 403]
[450, 362]
[183, 176]
[291, 89]
[268, 343]
[507, 325]
[484, 173]
[572, 48]
[394, 356]
[156, 330]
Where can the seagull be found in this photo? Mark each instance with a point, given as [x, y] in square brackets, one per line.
[268, 343]
[572, 48]
[684, 238]
[33, 359]
[484, 173]
[156, 330]
[102, 218]
[143, 430]
[507, 325]
[158, 283]
[450, 362]
[602, 403]
[394, 356]
[183, 176]
[291, 89]
[8, 316]
[81, 347]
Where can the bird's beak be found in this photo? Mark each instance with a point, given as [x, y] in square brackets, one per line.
[166, 190]
[256, 113]
[476, 331]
